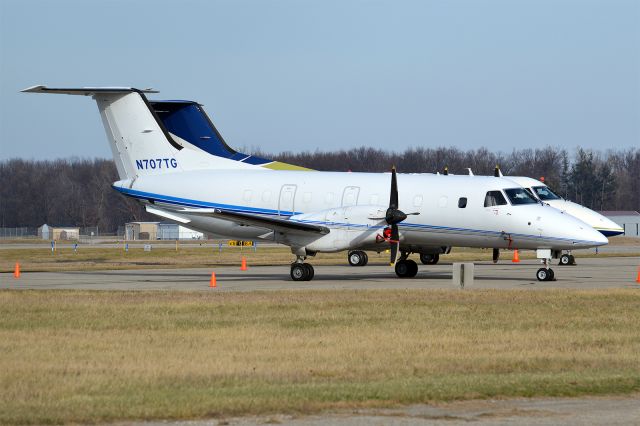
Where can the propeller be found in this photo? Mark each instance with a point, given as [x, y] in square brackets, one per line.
[394, 216]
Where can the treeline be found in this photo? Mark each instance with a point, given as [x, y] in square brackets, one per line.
[64, 192]
[78, 192]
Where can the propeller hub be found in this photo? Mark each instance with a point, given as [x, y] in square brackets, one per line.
[394, 216]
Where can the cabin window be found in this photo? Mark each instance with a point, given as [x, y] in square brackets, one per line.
[462, 202]
[494, 198]
[417, 201]
[519, 196]
[442, 201]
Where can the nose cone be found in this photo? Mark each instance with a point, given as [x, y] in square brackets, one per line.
[569, 232]
[597, 221]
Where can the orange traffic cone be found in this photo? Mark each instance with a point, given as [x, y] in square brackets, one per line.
[516, 258]
[243, 265]
[638, 277]
[212, 283]
[16, 271]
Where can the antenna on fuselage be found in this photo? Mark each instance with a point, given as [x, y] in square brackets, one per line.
[445, 171]
[497, 172]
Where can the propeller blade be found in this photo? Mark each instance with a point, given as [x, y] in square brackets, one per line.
[395, 243]
[393, 198]
[496, 255]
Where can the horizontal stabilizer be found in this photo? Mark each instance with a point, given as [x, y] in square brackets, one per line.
[282, 225]
[84, 91]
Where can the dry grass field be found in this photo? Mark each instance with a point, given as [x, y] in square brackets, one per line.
[79, 356]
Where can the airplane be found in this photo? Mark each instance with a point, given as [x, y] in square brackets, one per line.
[541, 192]
[172, 159]
[544, 194]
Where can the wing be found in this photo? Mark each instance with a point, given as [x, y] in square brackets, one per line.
[248, 219]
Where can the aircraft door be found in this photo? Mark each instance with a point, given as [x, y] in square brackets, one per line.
[286, 202]
[350, 196]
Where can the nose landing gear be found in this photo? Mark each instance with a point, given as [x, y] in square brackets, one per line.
[545, 273]
[567, 259]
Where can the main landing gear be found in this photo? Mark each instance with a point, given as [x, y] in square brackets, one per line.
[301, 271]
[429, 259]
[358, 258]
[406, 268]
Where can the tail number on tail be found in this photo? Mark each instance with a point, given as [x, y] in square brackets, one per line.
[157, 163]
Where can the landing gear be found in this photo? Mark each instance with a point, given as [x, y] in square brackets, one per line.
[567, 259]
[429, 259]
[358, 258]
[406, 268]
[545, 273]
[302, 272]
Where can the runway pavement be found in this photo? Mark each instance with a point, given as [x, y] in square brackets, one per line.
[609, 272]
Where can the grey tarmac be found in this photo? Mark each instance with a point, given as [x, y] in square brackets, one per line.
[590, 273]
[612, 411]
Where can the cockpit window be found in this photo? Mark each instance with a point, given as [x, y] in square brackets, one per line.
[494, 198]
[530, 192]
[519, 196]
[545, 193]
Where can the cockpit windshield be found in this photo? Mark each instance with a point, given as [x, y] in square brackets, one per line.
[545, 193]
[519, 196]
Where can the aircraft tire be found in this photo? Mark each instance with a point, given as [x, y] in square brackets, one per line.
[544, 274]
[299, 272]
[572, 259]
[310, 271]
[565, 260]
[429, 259]
[552, 275]
[356, 258]
[365, 258]
[406, 268]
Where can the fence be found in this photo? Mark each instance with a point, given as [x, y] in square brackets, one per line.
[15, 233]
[85, 233]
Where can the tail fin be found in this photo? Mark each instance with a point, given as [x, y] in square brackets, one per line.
[148, 138]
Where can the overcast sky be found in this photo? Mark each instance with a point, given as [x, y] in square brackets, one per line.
[306, 75]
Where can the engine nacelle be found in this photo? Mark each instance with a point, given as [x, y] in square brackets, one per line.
[351, 227]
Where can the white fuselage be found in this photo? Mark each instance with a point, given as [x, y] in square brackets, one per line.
[351, 205]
